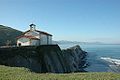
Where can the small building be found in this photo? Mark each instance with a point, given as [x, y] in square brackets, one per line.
[34, 37]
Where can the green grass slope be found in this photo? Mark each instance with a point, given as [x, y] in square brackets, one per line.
[8, 34]
[15, 73]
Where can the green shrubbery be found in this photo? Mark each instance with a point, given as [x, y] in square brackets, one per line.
[15, 73]
[8, 35]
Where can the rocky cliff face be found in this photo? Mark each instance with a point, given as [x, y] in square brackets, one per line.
[76, 59]
[45, 58]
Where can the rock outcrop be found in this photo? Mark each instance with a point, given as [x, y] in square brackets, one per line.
[45, 58]
[76, 59]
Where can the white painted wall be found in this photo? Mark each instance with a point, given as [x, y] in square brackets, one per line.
[23, 41]
[27, 42]
[43, 39]
[35, 42]
[50, 40]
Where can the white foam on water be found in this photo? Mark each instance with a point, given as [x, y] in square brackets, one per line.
[111, 60]
[114, 64]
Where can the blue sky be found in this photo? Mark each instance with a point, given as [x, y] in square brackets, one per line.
[74, 20]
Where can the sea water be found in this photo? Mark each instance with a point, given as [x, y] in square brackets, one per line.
[102, 58]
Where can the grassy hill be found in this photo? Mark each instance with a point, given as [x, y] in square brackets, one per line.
[15, 73]
[8, 34]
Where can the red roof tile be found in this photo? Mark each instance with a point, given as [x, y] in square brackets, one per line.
[30, 37]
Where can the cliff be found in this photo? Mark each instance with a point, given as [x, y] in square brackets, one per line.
[45, 58]
[76, 59]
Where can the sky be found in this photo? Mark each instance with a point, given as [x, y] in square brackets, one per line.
[72, 20]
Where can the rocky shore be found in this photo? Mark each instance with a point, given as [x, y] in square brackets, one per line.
[45, 58]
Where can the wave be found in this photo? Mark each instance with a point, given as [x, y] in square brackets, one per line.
[114, 64]
[111, 60]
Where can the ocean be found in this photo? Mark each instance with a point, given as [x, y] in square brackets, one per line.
[102, 58]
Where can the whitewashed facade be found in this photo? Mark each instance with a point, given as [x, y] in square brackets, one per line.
[34, 37]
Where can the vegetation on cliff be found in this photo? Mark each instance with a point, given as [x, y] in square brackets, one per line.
[15, 73]
[8, 35]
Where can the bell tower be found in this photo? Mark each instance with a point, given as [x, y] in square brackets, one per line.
[32, 27]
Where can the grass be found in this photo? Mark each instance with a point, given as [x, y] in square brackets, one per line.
[15, 73]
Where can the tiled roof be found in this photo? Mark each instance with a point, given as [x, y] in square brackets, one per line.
[30, 37]
[43, 32]
[40, 32]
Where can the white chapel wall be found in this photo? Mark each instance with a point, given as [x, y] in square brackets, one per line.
[35, 42]
[49, 39]
[23, 41]
[43, 39]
